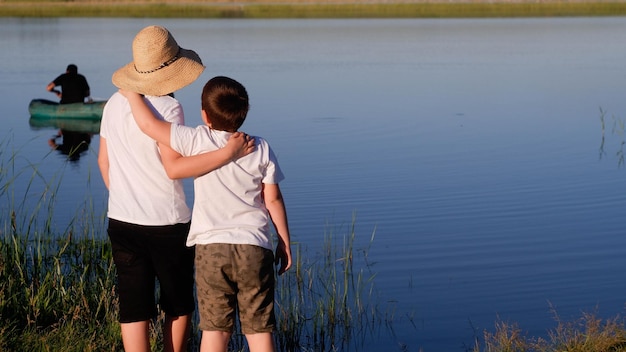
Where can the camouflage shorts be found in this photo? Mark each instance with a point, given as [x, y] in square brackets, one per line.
[235, 277]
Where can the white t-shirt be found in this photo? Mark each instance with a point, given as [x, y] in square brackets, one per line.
[228, 205]
[139, 190]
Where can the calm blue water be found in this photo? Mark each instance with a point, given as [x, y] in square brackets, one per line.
[472, 148]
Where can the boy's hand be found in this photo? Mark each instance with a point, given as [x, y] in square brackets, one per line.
[127, 93]
[283, 256]
[239, 144]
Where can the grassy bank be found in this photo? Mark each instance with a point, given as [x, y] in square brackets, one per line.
[58, 293]
[308, 9]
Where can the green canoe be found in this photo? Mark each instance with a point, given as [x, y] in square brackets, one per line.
[47, 109]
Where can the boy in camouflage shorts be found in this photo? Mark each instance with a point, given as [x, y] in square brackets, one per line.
[232, 209]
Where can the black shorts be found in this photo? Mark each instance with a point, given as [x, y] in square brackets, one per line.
[143, 253]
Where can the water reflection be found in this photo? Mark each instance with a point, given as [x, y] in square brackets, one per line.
[73, 137]
[617, 129]
[73, 144]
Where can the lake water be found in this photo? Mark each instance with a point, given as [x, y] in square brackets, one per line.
[474, 150]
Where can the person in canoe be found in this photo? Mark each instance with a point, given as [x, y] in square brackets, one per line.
[74, 86]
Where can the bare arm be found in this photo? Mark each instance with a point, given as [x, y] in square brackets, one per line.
[50, 88]
[149, 124]
[276, 207]
[177, 166]
[103, 161]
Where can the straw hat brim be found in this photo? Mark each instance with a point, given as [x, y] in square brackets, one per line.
[168, 79]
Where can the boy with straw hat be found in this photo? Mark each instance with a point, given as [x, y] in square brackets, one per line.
[148, 216]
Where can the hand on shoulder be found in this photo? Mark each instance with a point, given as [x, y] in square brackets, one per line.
[128, 94]
[240, 144]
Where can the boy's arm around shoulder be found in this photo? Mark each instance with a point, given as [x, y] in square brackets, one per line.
[148, 123]
[275, 205]
[176, 165]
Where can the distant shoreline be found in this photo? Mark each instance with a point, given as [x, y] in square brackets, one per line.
[311, 8]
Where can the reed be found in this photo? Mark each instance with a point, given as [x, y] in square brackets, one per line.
[55, 289]
[56, 293]
[586, 334]
[61, 292]
[618, 127]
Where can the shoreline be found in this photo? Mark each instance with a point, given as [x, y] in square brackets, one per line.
[273, 9]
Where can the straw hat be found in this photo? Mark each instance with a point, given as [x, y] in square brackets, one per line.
[159, 65]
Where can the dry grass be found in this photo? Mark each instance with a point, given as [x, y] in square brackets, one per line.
[587, 334]
[234, 2]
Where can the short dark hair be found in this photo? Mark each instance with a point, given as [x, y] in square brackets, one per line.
[225, 101]
[71, 68]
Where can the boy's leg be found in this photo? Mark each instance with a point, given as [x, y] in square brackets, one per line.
[214, 341]
[135, 284]
[216, 296]
[261, 342]
[173, 262]
[135, 336]
[256, 295]
[176, 333]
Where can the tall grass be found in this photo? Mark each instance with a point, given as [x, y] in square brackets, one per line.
[586, 334]
[55, 289]
[328, 302]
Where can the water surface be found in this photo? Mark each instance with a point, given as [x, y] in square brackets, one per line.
[472, 148]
